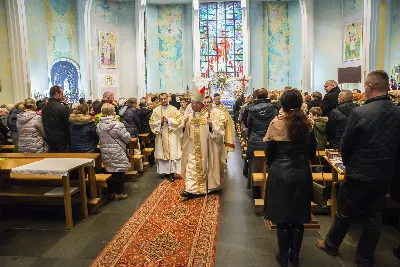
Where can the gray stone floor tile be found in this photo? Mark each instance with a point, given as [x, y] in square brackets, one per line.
[16, 261]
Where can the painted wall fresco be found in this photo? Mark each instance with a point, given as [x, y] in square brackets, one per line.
[37, 44]
[352, 38]
[394, 56]
[277, 43]
[328, 34]
[170, 47]
[61, 30]
[6, 93]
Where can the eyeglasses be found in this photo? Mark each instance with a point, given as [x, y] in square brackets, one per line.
[326, 86]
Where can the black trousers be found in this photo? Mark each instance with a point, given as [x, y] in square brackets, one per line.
[60, 149]
[116, 183]
[356, 196]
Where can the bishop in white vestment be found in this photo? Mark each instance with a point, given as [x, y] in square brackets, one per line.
[165, 123]
[204, 133]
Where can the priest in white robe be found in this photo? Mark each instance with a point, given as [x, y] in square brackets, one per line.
[166, 122]
[201, 158]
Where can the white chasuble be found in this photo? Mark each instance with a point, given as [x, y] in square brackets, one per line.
[201, 157]
[167, 143]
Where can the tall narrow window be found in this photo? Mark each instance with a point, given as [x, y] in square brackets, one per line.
[221, 39]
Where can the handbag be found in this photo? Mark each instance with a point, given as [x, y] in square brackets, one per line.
[321, 193]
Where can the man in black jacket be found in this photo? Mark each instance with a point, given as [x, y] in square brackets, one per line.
[330, 100]
[370, 147]
[108, 97]
[338, 118]
[56, 122]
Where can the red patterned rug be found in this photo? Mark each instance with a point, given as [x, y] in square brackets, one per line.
[166, 231]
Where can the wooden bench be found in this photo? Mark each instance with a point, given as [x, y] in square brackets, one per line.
[327, 177]
[259, 177]
[65, 195]
[95, 156]
[7, 148]
[146, 151]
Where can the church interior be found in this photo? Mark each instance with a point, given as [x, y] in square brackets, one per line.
[154, 56]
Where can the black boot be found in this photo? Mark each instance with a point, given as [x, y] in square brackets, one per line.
[283, 243]
[172, 177]
[296, 239]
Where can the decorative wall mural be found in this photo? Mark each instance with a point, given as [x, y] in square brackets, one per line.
[65, 73]
[62, 34]
[170, 47]
[277, 38]
[107, 50]
[352, 41]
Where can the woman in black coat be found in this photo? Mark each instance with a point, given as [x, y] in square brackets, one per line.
[130, 118]
[290, 145]
[260, 116]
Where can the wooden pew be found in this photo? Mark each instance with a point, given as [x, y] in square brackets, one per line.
[146, 151]
[133, 159]
[95, 156]
[6, 148]
[65, 196]
[259, 177]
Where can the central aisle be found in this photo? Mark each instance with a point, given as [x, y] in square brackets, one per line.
[243, 239]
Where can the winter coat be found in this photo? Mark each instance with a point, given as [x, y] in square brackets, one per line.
[144, 116]
[55, 117]
[320, 132]
[131, 121]
[260, 116]
[31, 133]
[370, 144]
[330, 101]
[289, 184]
[337, 123]
[245, 113]
[12, 125]
[113, 140]
[84, 138]
[315, 103]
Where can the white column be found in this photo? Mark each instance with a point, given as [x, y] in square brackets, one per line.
[370, 36]
[17, 32]
[89, 82]
[141, 62]
[196, 39]
[307, 19]
[246, 37]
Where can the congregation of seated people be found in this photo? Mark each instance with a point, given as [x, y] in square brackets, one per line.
[52, 125]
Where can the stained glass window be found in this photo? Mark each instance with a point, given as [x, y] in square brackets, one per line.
[221, 38]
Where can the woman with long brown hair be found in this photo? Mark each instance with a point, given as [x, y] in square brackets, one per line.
[290, 145]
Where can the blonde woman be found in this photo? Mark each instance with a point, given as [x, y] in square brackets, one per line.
[31, 137]
[113, 140]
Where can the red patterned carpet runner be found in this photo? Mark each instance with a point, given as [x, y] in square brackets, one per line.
[166, 231]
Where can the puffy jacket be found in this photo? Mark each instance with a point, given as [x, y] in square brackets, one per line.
[371, 140]
[12, 125]
[31, 133]
[113, 140]
[84, 138]
[320, 132]
[330, 101]
[261, 113]
[337, 123]
[56, 123]
[131, 121]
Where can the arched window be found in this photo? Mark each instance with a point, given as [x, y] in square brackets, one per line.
[221, 38]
